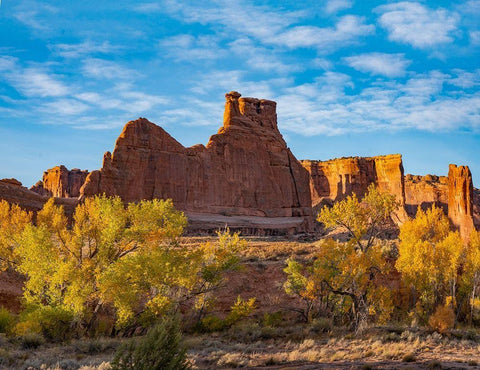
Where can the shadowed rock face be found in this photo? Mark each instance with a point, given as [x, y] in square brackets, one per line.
[61, 182]
[245, 169]
[334, 180]
[460, 198]
[13, 192]
[425, 191]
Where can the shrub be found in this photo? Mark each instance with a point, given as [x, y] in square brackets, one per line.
[31, 340]
[442, 320]
[212, 323]
[321, 325]
[161, 348]
[272, 319]
[240, 310]
[409, 357]
[54, 323]
[6, 320]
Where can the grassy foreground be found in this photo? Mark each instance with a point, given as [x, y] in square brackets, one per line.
[252, 346]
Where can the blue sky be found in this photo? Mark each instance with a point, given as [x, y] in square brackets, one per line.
[350, 77]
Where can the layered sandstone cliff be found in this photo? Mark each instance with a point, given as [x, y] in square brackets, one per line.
[425, 191]
[454, 194]
[460, 198]
[246, 169]
[61, 182]
[336, 179]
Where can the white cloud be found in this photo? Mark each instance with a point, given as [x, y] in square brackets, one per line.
[346, 32]
[465, 80]
[390, 65]
[261, 58]
[30, 13]
[147, 7]
[7, 63]
[37, 82]
[415, 24]
[334, 6]
[242, 17]
[106, 69]
[186, 47]
[82, 49]
[66, 107]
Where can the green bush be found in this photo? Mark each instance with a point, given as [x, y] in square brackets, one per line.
[321, 325]
[31, 340]
[273, 319]
[6, 320]
[55, 324]
[212, 323]
[161, 348]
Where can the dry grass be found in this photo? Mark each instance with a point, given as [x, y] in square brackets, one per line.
[378, 352]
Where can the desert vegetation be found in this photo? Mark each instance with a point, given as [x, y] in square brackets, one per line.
[118, 287]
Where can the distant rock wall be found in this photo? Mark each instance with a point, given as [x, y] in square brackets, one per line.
[425, 191]
[334, 180]
[61, 183]
[246, 169]
[13, 192]
[460, 198]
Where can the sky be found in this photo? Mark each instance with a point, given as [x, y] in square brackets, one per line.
[350, 77]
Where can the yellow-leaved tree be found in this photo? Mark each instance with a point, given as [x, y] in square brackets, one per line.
[430, 255]
[364, 220]
[350, 270]
[64, 265]
[13, 221]
[351, 273]
[165, 279]
[471, 274]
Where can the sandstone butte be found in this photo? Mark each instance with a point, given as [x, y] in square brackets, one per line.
[246, 177]
[246, 170]
[61, 183]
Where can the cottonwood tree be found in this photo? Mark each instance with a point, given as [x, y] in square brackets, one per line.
[364, 220]
[471, 273]
[350, 270]
[167, 278]
[64, 265]
[13, 221]
[430, 255]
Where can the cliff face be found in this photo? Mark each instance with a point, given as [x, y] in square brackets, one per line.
[460, 198]
[425, 191]
[336, 179]
[246, 169]
[12, 191]
[61, 182]
[454, 194]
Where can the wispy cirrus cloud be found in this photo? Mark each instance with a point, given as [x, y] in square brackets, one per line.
[83, 49]
[106, 69]
[415, 24]
[389, 65]
[32, 14]
[185, 47]
[334, 6]
[346, 31]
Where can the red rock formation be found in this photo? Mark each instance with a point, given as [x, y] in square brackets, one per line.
[246, 169]
[460, 198]
[476, 208]
[425, 191]
[13, 192]
[61, 182]
[336, 179]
